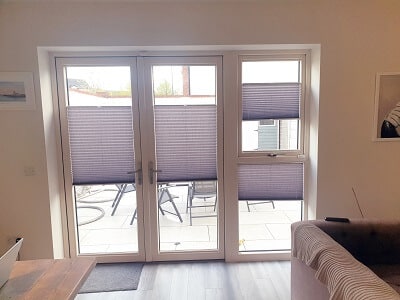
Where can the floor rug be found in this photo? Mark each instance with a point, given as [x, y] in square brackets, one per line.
[113, 277]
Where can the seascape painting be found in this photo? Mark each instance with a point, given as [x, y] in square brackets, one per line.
[16, 91]
[12, 91]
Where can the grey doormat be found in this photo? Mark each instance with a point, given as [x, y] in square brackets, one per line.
[113, 277]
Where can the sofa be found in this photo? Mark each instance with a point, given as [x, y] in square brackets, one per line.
[346, 261]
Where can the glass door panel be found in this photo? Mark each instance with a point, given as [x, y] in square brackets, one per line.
[184, 104]
[100, 122]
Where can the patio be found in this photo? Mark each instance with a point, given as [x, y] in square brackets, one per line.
[264, 228]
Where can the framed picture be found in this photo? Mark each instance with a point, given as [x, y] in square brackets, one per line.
[16, 91]
[387, 107]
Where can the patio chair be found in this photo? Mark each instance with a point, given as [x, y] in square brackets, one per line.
[259, 202]
[164, 196]
[122, 189]
[203, 190]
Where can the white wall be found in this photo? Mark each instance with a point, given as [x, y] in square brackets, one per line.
[358, 38]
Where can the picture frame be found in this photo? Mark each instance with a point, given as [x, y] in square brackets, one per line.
[17, 91]
[387, 107]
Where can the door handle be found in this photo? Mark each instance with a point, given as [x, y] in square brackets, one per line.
[152, 171]
[139, 173]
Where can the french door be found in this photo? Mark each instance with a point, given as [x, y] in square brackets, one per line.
[142, 155]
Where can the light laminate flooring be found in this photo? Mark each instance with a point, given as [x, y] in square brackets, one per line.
[207, 280]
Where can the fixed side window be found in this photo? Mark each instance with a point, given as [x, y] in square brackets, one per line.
[271, 149]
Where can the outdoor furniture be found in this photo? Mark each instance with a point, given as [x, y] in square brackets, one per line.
[259, 202]
[122, 189]
[164, 196]
[203, 190]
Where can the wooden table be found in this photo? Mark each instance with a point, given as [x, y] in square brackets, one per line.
[56, 279]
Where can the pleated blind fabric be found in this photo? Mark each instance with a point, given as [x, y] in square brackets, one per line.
[186, 142]
[280, 181]
[271, 100]
[101, 144]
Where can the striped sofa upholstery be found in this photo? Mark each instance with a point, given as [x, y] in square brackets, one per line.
[349, 261]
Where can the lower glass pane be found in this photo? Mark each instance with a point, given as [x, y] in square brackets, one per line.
[265, 225]
[106, 218]
[270, 135]
[188, 216]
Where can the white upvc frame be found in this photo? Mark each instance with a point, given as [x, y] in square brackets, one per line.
[301, 57]
[234, 156]
[148, 235]
[61, 64]
[152, 252]
[230, 55]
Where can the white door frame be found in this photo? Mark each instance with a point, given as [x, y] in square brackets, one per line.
[147, 211]
[149, 156]
[61, 63]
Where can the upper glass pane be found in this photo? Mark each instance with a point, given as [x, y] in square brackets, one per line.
[271, 94]
[270, 71]
[184, 85]
[99, 86]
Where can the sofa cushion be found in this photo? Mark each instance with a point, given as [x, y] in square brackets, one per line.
[369, 241]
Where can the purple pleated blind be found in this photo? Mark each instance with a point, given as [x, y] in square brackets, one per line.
[281, 181]
[101, 144]
[186, 142]
[271, 100]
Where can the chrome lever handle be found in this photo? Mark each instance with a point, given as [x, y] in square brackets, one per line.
[139, 173]
[140, 176]
[151, 172]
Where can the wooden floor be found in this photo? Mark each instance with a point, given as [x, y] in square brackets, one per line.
[208, 280]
